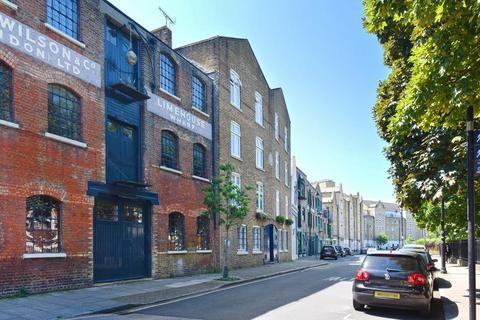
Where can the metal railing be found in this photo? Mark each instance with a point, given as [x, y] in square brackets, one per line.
[459, 249]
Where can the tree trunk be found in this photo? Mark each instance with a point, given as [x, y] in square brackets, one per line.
[225, 254]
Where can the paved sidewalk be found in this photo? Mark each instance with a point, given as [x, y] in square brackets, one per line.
[453, 288]
[102, 298]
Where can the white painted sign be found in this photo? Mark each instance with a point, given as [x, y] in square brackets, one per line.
[178, 115]
[37, 45]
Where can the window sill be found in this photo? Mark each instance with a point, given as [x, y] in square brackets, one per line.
[200, 178]
[203, 251]
[9, 124]
[44, 255]
[66, 36]
[177, 252]
[9, 4]
[260, 125]
[257, 252]
[66, 140]
[170, 95]
[261, 169]
[242, 253]
[200, 112]
[236, 107]
[170, 170]
[235, 157]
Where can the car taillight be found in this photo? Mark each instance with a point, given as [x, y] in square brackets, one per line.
[417, 278]
[429, 266]
[362, 275]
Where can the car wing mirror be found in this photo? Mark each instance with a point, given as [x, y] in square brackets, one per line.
[435, 260]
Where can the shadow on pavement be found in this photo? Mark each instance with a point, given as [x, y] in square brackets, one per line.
[443, 284]
[450, 309]
[382, 313]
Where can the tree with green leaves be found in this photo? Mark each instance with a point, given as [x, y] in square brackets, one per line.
[432, 49]
[230, 203]
[382, 239]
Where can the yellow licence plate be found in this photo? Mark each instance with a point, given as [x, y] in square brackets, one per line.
[386, 295]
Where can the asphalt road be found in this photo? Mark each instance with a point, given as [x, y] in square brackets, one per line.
[319, 293]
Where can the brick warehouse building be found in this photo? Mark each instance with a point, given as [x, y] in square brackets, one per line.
[84, 166]
[253, 134]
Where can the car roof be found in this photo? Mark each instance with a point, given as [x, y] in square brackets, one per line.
[419, 250]
[394, 253]
[419, 246]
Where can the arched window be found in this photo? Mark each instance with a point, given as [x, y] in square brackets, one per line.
[167, 74]
[63, 15]
[198, 94]
[6, 92]
[203, 233]
[199, 160]
[43, 225]
[64, 117]
[169, 150]
[176, 231]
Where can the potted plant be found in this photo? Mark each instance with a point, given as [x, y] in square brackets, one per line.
[261, 216]
[280, 219]
[288, 221]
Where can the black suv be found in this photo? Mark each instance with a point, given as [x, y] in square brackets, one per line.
[340, 251]
[328, 252]
[395, 279]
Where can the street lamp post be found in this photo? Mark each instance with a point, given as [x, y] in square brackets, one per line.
[444, 256]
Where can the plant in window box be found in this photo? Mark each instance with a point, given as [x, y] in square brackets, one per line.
[261, 216]
[280, 219]
[288, 221]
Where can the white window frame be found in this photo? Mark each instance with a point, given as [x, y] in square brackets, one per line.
[286, 139]
[259, 159]
[277, 165]
[235, 89]
[280, 241]
[260, 200]
[286, 173]
[258, 108]
[256, 242]
[235, 140]
[286, 206]
[277, 203]
[277, 133]
[242, 230]
[237, 181]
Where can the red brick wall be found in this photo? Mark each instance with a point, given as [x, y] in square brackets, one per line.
[32, 164]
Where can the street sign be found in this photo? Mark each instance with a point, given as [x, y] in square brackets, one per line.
[477, 151]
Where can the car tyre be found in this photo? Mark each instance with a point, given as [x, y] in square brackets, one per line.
[358, 306]
[426, 311]
[336, 258]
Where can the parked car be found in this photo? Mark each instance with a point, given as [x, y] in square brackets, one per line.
[393, 279]
[328, 252]
[363, 250]
[414, 246]
[347, 251]
[427, 258]
[340, 251]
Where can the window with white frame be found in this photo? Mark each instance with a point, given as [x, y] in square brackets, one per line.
[277, 133]
[285, 240]
[242, 237]
[256, 238]
[286, 139]
[259, 152]
[286, 206]
[260, 197]
[286, 173]
[235, 141]
[280, 242]
[236, 181]
[277, 203]
[258, 108]
[235, 85]
[277, 165]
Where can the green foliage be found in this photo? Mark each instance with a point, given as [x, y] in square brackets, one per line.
[261, 216]
[408, 240]
[432, 49]
[280, 219]
[382, 239]
[228, 202]
[288, 221]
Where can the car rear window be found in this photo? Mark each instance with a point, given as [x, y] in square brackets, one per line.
[378, 262]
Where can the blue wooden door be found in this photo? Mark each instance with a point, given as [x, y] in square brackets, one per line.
[120, 240]
[122, 156]
[270, 239]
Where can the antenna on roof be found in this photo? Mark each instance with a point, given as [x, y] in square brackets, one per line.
[168, 19]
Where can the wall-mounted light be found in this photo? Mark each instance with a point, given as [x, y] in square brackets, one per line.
[131, 55]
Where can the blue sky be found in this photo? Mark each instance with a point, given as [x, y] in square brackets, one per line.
[327, 65]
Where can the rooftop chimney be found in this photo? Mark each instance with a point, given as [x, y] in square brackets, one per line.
[165, 34]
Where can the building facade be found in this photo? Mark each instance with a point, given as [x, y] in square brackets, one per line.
[120, 120]
[254, 135]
